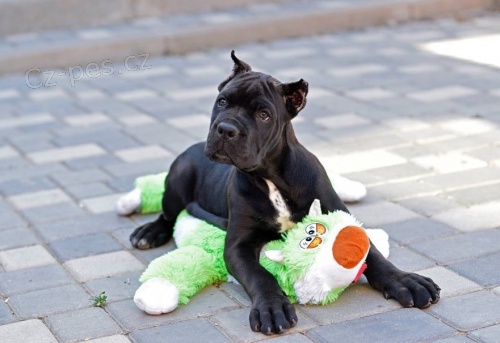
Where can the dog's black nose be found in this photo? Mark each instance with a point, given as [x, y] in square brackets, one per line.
[227, 130]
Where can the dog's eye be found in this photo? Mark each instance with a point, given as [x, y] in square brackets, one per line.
[264, 116]
[222, 102]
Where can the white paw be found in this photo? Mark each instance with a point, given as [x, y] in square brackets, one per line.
[129, 203]
[157, 296]
[348, 190]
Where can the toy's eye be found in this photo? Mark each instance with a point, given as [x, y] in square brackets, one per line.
[315, 229]
[310, 242]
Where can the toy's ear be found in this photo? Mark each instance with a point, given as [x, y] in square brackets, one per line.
[275, 255]
[315, 209]
[239, 67]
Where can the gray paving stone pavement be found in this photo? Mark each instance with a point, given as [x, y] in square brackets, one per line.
[421, 130]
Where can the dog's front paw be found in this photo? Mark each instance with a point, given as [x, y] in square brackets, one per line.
[151, 235]
[157, 296]
[273, 315]
[412, 290]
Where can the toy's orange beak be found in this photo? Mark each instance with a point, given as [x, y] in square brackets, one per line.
[350, 246]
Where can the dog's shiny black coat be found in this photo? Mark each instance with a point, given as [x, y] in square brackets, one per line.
[251, 140]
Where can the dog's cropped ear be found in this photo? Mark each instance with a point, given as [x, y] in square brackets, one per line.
[295, 94]
[239, 67]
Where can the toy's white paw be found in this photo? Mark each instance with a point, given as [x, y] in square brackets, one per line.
[129, 203]
[157, 296]
[348, 190]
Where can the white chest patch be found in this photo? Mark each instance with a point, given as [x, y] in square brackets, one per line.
[283, 217]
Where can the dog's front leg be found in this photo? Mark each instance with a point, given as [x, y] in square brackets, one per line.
[271, 310]
[410, 289]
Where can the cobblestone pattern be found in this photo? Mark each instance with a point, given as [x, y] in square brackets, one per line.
[422, 131]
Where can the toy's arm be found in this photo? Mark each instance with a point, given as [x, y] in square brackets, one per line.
[174, 278]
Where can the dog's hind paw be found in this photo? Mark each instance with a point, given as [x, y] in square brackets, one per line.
[348, 190]
[129, 203]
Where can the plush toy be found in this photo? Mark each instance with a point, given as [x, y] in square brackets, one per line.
[313, 263]
[147, 194]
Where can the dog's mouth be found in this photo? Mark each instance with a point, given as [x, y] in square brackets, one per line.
[221, 156]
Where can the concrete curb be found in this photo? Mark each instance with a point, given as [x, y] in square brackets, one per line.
[198, 36]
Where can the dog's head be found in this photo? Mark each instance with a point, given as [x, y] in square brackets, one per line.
[250, 115]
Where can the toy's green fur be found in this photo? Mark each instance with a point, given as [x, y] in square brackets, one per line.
[197, 262]
[152, 188]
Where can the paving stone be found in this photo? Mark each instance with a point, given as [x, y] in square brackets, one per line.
[464, 179]
[236, 292]
[26, 257]
[44, 214]
[482, 310]
[26, 120]
[404, 325]
[190, 121]
[401, 190]
[82, 246]
[408, 260]
[104, 265]
[419, 229]
[474, 218]
[82, 325]
[14, 238]
[483, 270]
[9, 220]
[6, 315]
[476, 195]
[110, 339]
[355, 302]
[31, 279]
[69, 178]
[88, 190]
[472, 244]
[468, 126]
[207, 302]
[236, 325]
[340, 121]
[83, 224]
[142, 153]
[87, 119]
[67, 153]
[381, 213]
[347, 163]
[40, 198]
[49, 301]
[454, 339]
[27, 331]
[30, 185]
[102, 204]
[117, 288]
[448, 162]
[441, 94]
[186, 331]
[451, 283]
[369, 94]
[486, 335]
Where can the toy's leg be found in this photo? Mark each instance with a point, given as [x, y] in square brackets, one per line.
[129, 203]
[174, 278]
[157, 296]
[348, 190]
[146, 196]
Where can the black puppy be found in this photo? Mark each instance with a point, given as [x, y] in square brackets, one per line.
[254, 178]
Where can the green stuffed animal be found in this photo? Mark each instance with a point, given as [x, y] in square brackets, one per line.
[313, 262]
